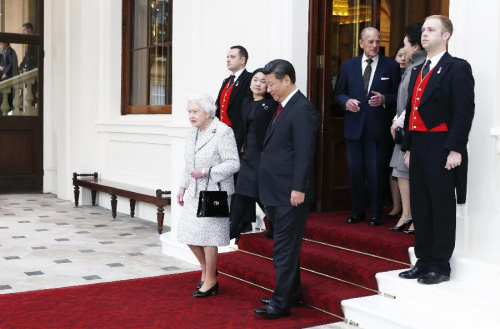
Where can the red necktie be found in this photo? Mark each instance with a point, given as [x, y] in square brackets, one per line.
[278, 112]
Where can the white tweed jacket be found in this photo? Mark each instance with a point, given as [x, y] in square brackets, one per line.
[214, 147]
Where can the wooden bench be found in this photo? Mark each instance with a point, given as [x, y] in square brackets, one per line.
[158, 198]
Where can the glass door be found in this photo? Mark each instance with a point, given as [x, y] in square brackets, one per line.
[21, 93]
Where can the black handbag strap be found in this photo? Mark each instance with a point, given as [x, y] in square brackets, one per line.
[208, 179]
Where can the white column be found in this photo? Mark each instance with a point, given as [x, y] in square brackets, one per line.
[477, 39]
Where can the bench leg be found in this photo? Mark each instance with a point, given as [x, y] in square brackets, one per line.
[160, 215]
[94, 195]
[132, 208]
[77, 195]
[113, 205]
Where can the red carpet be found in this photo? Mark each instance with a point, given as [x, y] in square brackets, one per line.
[350, 253]
[157, 302]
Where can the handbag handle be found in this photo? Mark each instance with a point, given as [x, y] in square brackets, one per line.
[208, 179]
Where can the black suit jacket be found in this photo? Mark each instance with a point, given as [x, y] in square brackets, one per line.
[30, 59]
[372, 122]
[262, 118]
[447, 98]
[241, 90]
[287, 159]
[9, 63]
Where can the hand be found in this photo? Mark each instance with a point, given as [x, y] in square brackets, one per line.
[352, 105]
[180, 196]
[297, 198]
[377, 99]
[407, 159]
[197, 173]
[393, 129]
[454, 160]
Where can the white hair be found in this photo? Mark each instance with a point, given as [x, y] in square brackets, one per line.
[205, 101]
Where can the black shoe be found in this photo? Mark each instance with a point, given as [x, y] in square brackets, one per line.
[374, 221]
[355, 219]
[245, 227]
[433, 278]
[402, 226]
[412, 273]
[267, 300]
[409, 232]
[209, 292]
[269, 312]
[200, 284]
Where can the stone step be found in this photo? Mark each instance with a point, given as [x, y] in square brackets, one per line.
[376, 311]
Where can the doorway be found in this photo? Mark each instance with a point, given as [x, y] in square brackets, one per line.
[21, 96]
[334, 28]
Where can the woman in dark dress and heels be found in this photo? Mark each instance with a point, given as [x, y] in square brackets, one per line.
[257, 112]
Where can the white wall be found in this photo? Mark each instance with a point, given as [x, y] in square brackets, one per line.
[83, 128]
[475, 39]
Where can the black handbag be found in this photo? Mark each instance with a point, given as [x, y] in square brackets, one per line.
[212, 203]
[398, 136]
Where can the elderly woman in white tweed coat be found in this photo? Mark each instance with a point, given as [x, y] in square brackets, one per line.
[210, 144]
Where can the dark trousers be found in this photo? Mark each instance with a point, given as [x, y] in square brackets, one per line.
[242, 211]
[433, 203]
[289, 225]
[367, 164]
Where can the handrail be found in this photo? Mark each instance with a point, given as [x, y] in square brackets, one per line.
[18, 82]
[22, 77]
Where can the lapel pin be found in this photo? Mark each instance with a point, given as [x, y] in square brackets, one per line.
[237, 82]
[439, 71]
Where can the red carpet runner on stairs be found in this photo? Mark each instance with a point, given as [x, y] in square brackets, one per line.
[339, 260]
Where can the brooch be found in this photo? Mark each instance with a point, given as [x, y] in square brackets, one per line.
[265, 106]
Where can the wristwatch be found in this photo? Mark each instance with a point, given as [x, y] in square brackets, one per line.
[203, 172]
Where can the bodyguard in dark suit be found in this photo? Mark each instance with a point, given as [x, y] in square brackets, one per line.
[368, 87]
[436, 133]
[286, 180]
[234, 88]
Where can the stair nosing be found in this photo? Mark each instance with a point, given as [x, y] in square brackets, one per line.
[309, 305]
[356, 251]
[324, 275]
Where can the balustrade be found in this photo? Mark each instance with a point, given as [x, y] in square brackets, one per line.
[22, 88]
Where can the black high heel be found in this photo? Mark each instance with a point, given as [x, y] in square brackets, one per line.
[409, 232]
[209, 292]
[200, 284]
[402, 226]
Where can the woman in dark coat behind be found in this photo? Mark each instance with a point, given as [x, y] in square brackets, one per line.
[257, 111]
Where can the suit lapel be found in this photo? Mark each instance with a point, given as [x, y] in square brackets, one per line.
[437, 74]
[378, 74]
[284, 112]
[236, 88]
[203, 139]
[358, 72]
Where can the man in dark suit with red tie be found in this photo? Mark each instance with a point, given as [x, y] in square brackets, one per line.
[368, 87]
[435, 139]
[234, 88]
[286, 182]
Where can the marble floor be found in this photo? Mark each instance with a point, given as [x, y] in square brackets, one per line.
[46, 242]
